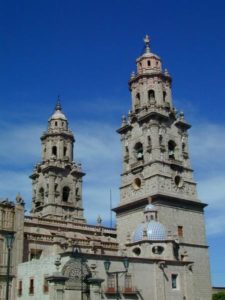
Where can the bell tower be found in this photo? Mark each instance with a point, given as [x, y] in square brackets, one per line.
[57, 179]
[156, 168]
[154, 137]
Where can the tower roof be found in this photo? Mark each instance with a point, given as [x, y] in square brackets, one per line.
[147, 49]
[58, 114]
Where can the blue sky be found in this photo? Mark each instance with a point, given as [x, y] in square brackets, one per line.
[85, 51]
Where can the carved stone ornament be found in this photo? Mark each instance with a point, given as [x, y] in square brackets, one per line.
[77, 271]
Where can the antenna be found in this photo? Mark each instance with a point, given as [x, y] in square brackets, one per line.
[110, 202]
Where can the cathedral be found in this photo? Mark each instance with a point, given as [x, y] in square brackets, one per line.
[158, 249]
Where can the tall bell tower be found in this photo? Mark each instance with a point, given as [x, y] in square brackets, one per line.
[57, 179]
[154, 137]
[156, 168]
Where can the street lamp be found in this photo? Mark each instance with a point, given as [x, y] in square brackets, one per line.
[107, 264]
[9, 242]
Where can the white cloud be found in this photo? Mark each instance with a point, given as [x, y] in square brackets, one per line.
[207, 145]
[20, 144]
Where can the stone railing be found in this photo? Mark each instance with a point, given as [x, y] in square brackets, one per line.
[69, 225]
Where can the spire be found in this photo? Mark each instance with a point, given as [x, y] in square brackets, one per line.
[147, 44]
[58, 104]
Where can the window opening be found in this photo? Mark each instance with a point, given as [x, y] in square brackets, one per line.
[151, 95]
[180, 231]
[164, 96]
[149, 63]
[35, 254]
[111, 282]
[56, 123]
[54, 150]
[128, 283]
[31, 287]
[174, 281]
[139, 151]
[171, 148]
[45, 285]
[66, 193]
[137, 251]
[20, 288]
[64, 151]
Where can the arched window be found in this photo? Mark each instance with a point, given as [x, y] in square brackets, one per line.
[42, 193]
[151, 95]
[171, 149]
[66, 193]
[56, 123]
[64, 151]
[149, 63]
[164, 96]
[139, 151]
[54, 150]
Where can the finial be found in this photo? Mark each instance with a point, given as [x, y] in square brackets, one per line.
[132, 75]
[124, 120]
[58, 104]
[19, 199]
[99, 220]
[182, 115]
[147, 44]
[166, 72]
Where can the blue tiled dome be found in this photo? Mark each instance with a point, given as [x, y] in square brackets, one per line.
[138, 234]
[155, 231]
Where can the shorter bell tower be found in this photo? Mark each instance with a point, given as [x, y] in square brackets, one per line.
[57, 179]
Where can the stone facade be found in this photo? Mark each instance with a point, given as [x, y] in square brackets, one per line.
[160, 220]
[11, 223]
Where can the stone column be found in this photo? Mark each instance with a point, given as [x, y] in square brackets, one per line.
[51, 191]
[155, 140]
[95, 288]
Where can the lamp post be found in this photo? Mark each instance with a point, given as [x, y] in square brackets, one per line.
[9, 242]
[107, 264]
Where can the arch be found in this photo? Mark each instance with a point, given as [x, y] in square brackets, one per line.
[139, 153]
[164, 96]
[77, 272]
[54, 150]
[149, 62]
[56, 123]
[171, 149]
[65, 194]
[151, 95]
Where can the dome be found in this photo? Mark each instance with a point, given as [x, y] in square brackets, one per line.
[138, 234]
[150, 207]
[155, 231]
[58, 114]
[150, 54]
